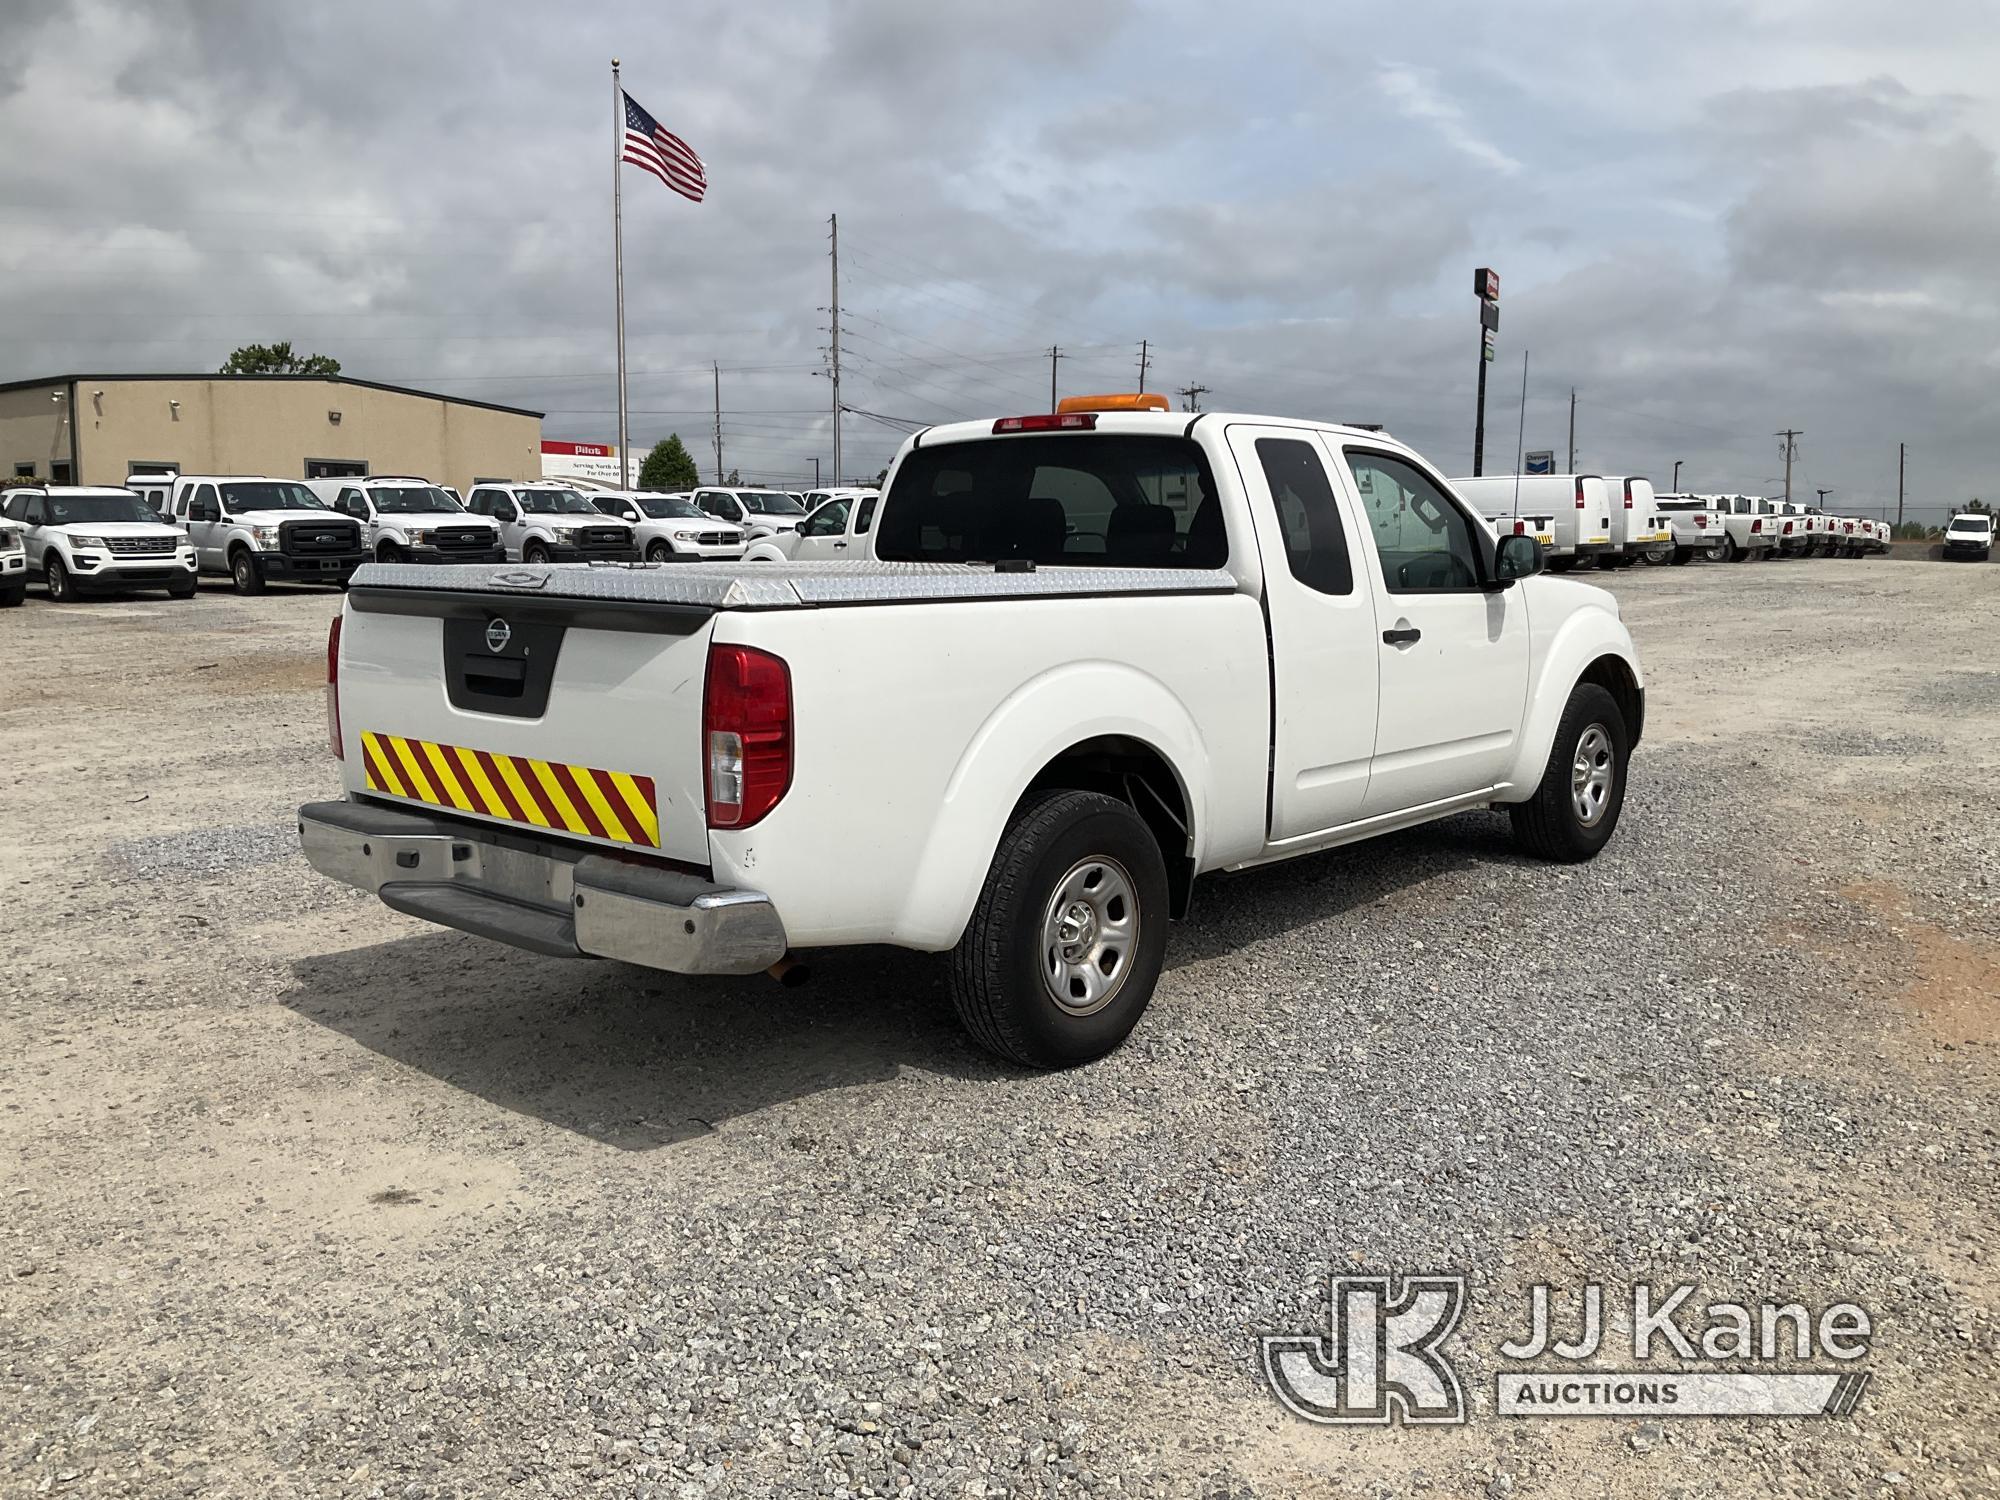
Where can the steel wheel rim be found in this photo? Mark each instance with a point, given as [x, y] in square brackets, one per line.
[1592, 767]
[1090, 931]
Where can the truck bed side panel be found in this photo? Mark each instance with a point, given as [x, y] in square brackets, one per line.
[917, 728]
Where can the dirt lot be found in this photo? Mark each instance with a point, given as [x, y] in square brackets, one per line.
[306, 1198]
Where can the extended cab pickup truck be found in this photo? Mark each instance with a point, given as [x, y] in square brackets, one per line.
[1096, 654]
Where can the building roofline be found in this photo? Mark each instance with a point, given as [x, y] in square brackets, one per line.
[373, 385]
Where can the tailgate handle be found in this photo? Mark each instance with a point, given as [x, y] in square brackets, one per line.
[496, 676]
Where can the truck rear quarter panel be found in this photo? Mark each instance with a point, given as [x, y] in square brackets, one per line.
[918, 727]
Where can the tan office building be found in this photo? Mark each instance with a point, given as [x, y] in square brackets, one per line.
[95, 429]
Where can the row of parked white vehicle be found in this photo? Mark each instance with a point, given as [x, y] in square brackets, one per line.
[167, 530]
[1617, 520]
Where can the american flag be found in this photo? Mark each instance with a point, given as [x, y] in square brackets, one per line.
[650, 145]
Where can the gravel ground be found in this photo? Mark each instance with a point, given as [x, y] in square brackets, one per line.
[310, 1199]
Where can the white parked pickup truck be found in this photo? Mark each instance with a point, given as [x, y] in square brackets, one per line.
[1747, 532]
[1097, 654]
[1696, 524]
[835, 531]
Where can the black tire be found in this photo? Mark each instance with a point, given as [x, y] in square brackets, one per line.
[245, 573]
[659, 552]
[1737, 551]
[1558, 564]
[1682, 556]
[388, 552]
[13, 597]
[1719, 552]
[534, 552]
[1659, 557]
[1548, 825]
[997, 970]
[181, 590]
[62, 588]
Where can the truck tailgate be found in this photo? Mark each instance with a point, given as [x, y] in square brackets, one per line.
[534, 713]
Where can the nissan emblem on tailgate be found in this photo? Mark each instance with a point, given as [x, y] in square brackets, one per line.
[498, 634]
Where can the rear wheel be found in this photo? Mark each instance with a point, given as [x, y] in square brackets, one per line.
[1659, 557]
[1065, 944]
[249, 577]
[62, 589]
[1559, 564]
[1582, 791]
[1683, 556]
[1718, 551]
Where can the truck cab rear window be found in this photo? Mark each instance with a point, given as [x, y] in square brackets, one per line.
[1085, 501]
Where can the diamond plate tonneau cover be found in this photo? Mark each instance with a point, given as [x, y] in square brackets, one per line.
[736, 585]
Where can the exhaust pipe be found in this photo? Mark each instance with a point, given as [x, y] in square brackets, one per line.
[789, 972]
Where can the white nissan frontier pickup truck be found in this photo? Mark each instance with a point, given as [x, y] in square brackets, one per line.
[1094, 655]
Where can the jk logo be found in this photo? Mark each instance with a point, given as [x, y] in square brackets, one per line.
[1382, 1357]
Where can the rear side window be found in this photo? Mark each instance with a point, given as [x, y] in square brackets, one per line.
[1315, 541]
[1115, 500]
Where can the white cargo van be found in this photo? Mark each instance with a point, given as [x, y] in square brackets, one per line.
[1578, 506]
[1637, 523]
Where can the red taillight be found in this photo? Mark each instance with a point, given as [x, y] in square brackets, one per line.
[333, 688]
[1520, 528]
[1757, 525]
[1579, 494]
[1628, 495]
[1701, 520]
[1049, 421]
[1788, 528]
[746, 720]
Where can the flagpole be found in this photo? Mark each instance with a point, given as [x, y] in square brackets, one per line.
[618, 260]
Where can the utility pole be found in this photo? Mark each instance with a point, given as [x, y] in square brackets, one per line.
[1055, 357]
[1486, 286]
[815, 471]
[1822, 497]
[1142, 365]
[1791, 435]
[1677, 474]
[1902, 450]
[1572, 429]
[833, 224]
[718, 421]
[1191, 396]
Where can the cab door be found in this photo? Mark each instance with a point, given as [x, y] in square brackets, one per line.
[1321, 617]
[823, 534]
[207, 530]
[1452, 648]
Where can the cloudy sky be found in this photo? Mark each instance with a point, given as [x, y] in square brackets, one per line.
[1714, 219]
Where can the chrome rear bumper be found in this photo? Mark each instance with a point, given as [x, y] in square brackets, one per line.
[541, 896]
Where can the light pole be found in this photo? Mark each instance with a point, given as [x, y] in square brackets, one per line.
[1677, 474]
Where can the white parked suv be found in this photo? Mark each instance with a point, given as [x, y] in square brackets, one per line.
[1098, 654]
[83, 539]
[669, 527]
[544, 521]
[255, 529]
[13, 561]
[836, 531]
[760, 513]
[411, 520]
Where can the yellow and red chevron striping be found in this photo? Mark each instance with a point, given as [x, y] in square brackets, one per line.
[544, 794]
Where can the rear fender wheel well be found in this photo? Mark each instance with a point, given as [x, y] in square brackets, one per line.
[1613, 675]
[1135, 773]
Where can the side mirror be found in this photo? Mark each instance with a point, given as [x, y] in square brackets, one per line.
[1517, 557]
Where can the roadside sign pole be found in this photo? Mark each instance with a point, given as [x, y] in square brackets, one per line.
[1479, 419]
[1486, 285]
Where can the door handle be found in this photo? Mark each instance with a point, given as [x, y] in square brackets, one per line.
[840, 544]
[1402, 637]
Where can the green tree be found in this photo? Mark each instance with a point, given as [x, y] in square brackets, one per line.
[1977, 505]
[278, 359]
[669, 467]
